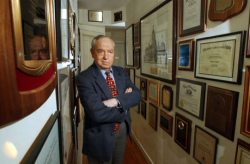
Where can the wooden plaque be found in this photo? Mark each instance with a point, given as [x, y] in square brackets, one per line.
[166, 122]
[143, 88]
[143, 105]
[221, 111]
[167, 97]
[153, 116]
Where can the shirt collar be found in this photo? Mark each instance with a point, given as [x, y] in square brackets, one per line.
[103, 71]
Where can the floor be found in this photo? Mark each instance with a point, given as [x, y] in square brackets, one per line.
[132, 154]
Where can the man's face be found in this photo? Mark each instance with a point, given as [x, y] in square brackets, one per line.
[103, 53]
[38, 49]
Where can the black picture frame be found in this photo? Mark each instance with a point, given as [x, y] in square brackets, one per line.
[118, 16]
[129, 45]
[143, 107]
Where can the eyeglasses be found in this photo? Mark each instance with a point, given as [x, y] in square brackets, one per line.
[101, 52]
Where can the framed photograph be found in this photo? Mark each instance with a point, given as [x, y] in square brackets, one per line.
[137, 33]
[137, 58]
[152, 116]
[190, 97]
[220, 57]
[225, 9]
[132, 75]
[221, 111]
[95, 16]
[192, 17]
[166, 122]
[154, 92]
[205, 146]
[143, 106]
[186, 55]
[118, 16]
[183, 132]
[245, 119]
[167, 97]
[143, 88]
[242, 152]
[158, 42]
[129, 46]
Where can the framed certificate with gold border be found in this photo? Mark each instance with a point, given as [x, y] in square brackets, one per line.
[242, 152]
[154, 92]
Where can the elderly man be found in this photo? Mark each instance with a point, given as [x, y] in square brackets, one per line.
[107, 94]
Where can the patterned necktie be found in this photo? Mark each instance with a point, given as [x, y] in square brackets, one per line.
[112, 88]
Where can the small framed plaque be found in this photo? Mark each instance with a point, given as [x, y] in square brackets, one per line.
[143, 88]
[186, 55]
[183, 132]
[132, 75]
[137, 58]
[167, 97]
[166, 122]
[95, 16]
[143, 106]
[153, 115]
[118, 16]
[205, 146]
[242, 152]
[221, 111]
[137, 33]
[129, 46]
[190, 97]
[154, 92]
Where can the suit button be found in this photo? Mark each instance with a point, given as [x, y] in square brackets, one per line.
[112, 133]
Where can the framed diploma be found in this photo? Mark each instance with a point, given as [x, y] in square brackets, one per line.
[190, 97]
[132, 75]
[186, 55]
[183, 132]
[222, 10]
[143, 106]
[137, 33]
[166, 122]
[95, 16]
[242, 152]
[154, 92]
[221, 111]
[152, 116]
[192, 17]
[158, 42]
[220, 57]
[245, 120]
[205, 146]
[137, 58]
[129, 46]
[167, 97]
[143, 88]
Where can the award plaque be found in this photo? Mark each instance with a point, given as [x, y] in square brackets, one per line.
[186, 55]
[154, 92]
[153, 115]
[143, 88]
[205, 146]
[95, 16]
[221, 111]
[183, 132]
[143, 106]
[166, 122]
[167, 97]
[242, 152]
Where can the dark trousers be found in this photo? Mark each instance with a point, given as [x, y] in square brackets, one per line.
[119, 148]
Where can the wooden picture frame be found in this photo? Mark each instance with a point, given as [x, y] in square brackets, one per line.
[158, 62]
[166, 122]
[205, 146]
[129, 40]
[143, 88]
[143, 107]
[167, 97]
[245, 119]
[137, 58]
[227, 66]
[118, 16]
[137, 34]
[95, 16]
[225, 9]
[153, 116]
[154, 92]
[192, 17]
[186, 55]
[222, 106]
[242, 152]
[183, 132]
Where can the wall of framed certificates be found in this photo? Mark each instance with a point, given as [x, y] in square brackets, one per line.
[210, 92]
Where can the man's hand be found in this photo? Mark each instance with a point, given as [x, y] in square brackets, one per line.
[110, 102]
[128, 90]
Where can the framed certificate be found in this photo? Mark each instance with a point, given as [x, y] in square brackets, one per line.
[190, 97]
[152, 116]
[95, 16]
[137, 58]
[129, 46]
[221, 111]
[205, 146]
[183, 132]
[143, 106]
[143, 88]
[154, 92]
[220, 57]
[167, 97]
[242, 152]
[166, 122]
[186, 55]
[158, 42]
[192, 17]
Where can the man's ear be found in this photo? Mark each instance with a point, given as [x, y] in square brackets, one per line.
[92, 52]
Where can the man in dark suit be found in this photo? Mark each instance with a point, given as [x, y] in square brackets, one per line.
[107, 94]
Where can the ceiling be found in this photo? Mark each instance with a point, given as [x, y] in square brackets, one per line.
[107, 5]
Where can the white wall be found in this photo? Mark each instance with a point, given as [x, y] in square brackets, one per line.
[159, 146]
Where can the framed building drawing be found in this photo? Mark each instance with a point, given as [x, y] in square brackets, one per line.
[129, 46]
[154, 92]
[186, 55]
[158, 42]
[242, 152]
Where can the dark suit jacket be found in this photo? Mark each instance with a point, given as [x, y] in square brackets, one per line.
[99, 121]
